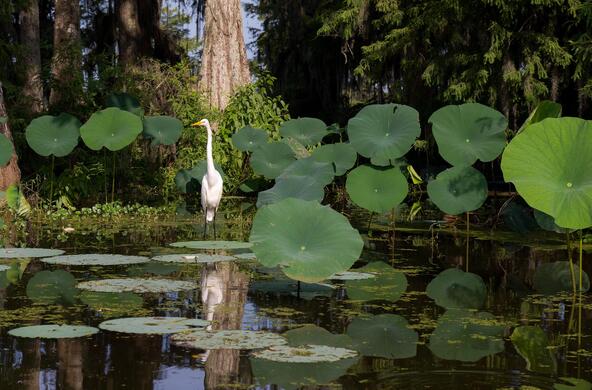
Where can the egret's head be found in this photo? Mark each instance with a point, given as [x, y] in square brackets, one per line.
[203, 122]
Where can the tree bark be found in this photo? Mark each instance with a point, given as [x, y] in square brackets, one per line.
[129, 32]
[224, 65]
[67, 57]
[31, 55]
[9, 174]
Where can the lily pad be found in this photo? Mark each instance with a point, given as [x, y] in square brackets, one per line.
[227, 339]
[152, 325]
[469, 132]
[111, 304]
[193, 258]
[307, 168]
[341, 156]
[349, 275]
[297, 188]
[311, 242]
[125, 102]
[553, 278]
[458, 190]
[532, 344]
[385, 335]
[307, 131]
[23, 253]
[388, 285]
[305, 354]
[52, 287]
[6, 150]
[376, 189]
[546, 222]
[228, 245]
[454, 288]
[91, 259]
[550, 163]
[271, 159]
[53, 135]
[53, 331]
[249, 138]
[111, 128]
[137, 285]
[246, 256]
[163, 130]
[315, 335]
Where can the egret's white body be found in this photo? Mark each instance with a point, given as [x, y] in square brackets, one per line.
[211, 183]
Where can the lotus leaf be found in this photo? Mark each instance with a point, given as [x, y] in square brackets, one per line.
[550, 163]
[468, 133]
[6, 150]
[125, 102]
[4, 267]
[193, 258]
[53, 331]
[341, 155]
[163, 130]
[466, 336]
[454, 288]
[137, 285]
[307, 168]
[546, 222]
[111, 304]
[22, 253]
[384, 131]
[315, 335]
[458, 190]
[297, 188]
[376, 189]
[388, 285]
[349, 275]
[574, 384]
[246, 256]
[553, 278]
[545, 109]
[213, 245]
[253, 185]
[189, 180]
[307, 131]
[154, 268]
[53, 135]
[111, 128]
[227, 339]
[248, 139]
[298, 149]
[304, 354]
[385, 335]
[532, 344]
[91, 259]
[152, 325]
[271, 159]
[311, 242]
[519, 218]
[52, 287]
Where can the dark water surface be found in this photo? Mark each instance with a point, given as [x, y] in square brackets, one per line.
[253, 299]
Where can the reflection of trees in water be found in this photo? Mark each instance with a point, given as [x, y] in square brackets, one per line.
[70, 364]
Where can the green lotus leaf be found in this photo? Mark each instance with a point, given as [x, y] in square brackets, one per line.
[315, 335]
[23, 253]
[466, 336]
[307, 131]
[15, 199]
[298, 149]
[111, 304]
[153, 268]
[189, 180]
[351, 275]
[125, 102]
[212, 245]
[249, 138]
[297, 188]
[469, 132]
[152, 325]
[111, 128]
[384, 131]
[53, 135]
[553, 278]
[304, 354]
[574, 384]
[387, 285]
[52, 287]
[376, 189]
[6, 150]
[271, 159]
[546, 222]
[53, 331]
[137, 285]
[545, 109]
[519, 218]
[454, 288]
[532, 344]
[91, 259]
[163, 130]
[246, 256]
[385, 335]
[227, 339]
[550, 163]
[458, 190]
[341, 156]
[193, 258]
[3, 120]
[311, 242]
[307, 168]
[253, 185]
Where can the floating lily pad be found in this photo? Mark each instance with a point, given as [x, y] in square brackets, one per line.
[248, 139]
[550, 163]
[91, 259]
[466, 336]
[458, 190]
[307, 131]
[53, 135]
[125, 102]
[388, 285]
[304, 354]
[4, 267]
[385, 335]
[112, 304]
[23, 253]
[532, 344]
[6, 150]
[296, 188]
[228, 245]
[311, 242]
[193, 258]
[227, 339]
[376, 189]
[454, 288]
[341, 156]
[111, 128]
[152, 325]
[163, 130]
[271, 159]
[53, 331]
[246, 256]
[553, 278]
[153, 268]
[52, 287]
[315, 335]
[469, 132]
[348, 275]
[137, 285]
[383, 132]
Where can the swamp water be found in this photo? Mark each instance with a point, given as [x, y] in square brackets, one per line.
[404, 339]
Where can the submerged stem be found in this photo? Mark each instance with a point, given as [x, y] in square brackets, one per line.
[52, 179]
[581, 264]
[468, 232]
[105, 170]
[571, 265]
[113, 180]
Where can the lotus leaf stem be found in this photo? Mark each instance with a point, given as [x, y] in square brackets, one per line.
[113, 180]
[571, 266]
[51, 179]
[468, 232]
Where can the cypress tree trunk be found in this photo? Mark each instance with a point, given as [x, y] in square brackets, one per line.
[129, 32]
[31, 55]
[9, 174]
[224, 65]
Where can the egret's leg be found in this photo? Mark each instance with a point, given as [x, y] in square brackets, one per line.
[205, 229]
[214, 222]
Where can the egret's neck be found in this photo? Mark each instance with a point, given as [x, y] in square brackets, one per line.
[210, 158]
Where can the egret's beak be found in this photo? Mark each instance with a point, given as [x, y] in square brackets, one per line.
[200, 123]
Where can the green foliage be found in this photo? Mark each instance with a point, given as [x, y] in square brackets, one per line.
[532, 344]
[458, 190]
[307, 131]
[53, 135]
[376, 189]
[111, 128]
[454, 289]
[6, 150]
[248, 138]
[162, 129]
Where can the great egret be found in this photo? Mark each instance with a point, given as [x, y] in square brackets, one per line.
[211, 183]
